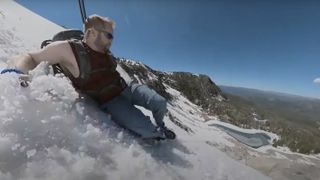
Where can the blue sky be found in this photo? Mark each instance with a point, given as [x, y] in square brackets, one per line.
[268, 45]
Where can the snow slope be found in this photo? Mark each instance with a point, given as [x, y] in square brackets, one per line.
[47, 132]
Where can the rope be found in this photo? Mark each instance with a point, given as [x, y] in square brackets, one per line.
[82, 10]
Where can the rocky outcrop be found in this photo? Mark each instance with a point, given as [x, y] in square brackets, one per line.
[199, 89]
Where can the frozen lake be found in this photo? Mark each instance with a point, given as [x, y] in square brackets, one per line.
[254, 140]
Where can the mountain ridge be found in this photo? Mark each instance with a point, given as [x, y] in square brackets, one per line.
[280, 113]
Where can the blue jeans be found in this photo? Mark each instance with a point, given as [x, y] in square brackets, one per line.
[124, 113]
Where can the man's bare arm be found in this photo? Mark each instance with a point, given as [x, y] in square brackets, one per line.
[23, 62]
[54, 53]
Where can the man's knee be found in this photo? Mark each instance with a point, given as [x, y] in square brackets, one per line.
[160, 103]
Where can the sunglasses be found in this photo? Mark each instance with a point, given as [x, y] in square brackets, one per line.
[107, 34]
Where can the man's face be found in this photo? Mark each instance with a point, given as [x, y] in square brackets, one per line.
[105, 36]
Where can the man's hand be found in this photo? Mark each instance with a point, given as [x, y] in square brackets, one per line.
[23, 78]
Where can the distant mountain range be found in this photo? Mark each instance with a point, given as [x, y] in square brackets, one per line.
[295, 118]
[299, 106]
[272, 95]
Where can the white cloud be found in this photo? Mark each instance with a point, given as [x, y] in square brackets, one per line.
[317, 80]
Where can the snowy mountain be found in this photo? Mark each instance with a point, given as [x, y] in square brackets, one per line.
[48, 132]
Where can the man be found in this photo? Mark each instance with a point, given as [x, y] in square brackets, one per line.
[99, 79]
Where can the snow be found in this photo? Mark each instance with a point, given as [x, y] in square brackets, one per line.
[21, 28]
[48, 131]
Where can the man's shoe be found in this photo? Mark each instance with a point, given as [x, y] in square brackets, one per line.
[168, 133]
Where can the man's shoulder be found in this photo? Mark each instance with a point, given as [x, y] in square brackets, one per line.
[58, 44]
[59, 49]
